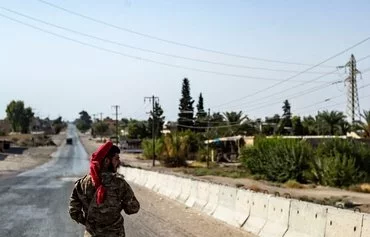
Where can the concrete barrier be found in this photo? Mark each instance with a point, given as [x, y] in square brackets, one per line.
[143, 177]
[343, 223]
[165, 184]
[226, 205]
[152, 179]
[202, 196]
[258, 213]
[171, 184]
[277, 218]
[210, 207]
[306, 220]
[176, 189]
[159, 185]
[185, 190]
[193, 194]
[242, 206]
[366, 226]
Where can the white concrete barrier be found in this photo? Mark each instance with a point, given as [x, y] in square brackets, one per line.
[242, 206]
[210, 207]
[258, 213]
[143, 177]
[160, 185]
[165, 185]
[202, 195]
[176, 190]
[152, 180]
[277, 218]
[185, 190]
[343, 223]
[226, 205]
[171, 183]
[193, 194]
[306, 220]
[366, 226]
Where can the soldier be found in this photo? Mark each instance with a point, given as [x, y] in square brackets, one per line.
[99, 197]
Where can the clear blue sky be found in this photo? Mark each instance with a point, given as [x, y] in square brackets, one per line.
[59, 77]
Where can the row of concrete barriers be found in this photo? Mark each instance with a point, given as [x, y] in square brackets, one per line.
[261, 214]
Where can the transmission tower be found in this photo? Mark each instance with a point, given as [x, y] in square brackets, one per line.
[353, 103]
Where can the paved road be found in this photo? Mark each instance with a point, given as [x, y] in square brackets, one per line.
[35, 203]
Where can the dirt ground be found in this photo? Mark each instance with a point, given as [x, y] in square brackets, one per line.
[317, 194]
[18, 159]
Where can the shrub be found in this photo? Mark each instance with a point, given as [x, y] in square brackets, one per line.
[278, 159]
[359, 152]
[338, 169]
[147, 146]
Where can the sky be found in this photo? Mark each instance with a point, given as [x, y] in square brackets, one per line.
[256, 49]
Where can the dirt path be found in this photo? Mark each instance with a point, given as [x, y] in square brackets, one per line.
[19, 159]
[318, 194]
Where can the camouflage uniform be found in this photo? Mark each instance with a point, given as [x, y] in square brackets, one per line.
[104, 220]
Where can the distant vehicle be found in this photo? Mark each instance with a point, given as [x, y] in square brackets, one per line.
[69, 141]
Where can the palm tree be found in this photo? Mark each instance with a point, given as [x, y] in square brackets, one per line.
[234, 117]
[332, 120]
[365, 125]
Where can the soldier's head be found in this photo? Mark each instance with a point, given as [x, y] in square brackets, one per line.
[111, 161]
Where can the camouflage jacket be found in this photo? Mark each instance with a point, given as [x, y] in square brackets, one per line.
[104, 219]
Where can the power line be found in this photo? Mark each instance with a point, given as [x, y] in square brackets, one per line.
[330, 98]
[171, 41]
[149, 50]
[302, 93]
[303, 83]
[136, 57]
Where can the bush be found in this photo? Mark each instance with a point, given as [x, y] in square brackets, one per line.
[278, 159]
[147, 146]
[340, 163]
[360, 152]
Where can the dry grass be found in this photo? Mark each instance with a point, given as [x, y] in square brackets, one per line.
[363, 188]
[293, 184]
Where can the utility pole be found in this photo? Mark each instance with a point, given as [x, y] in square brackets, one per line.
[101, 121]
[153, 99]
[116, 107]
[208, 122]
[353, 104]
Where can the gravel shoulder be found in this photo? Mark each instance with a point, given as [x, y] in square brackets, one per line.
[21, 159]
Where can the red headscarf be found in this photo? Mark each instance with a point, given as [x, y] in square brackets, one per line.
[95, 166]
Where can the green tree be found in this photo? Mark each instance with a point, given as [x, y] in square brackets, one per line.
[58, 125]
[19, 116]
[270, 125]
[84, 122]
[297, 126]
[138, 129]
[158, 120]
[365, 124]
[186, 114]
[332, 120]
[234, 117]
[285, 124]
[101, 128]
[310, 126]
[201, 117]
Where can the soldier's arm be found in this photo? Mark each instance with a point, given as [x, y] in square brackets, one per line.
[129, 202]
[75, 204]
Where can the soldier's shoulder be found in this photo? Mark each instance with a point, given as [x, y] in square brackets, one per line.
[120, 177]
